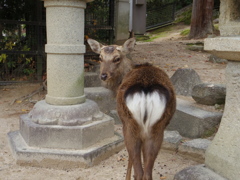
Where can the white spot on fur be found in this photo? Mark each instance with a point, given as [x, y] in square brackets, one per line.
[153, 104]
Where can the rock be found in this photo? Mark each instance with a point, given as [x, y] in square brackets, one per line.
[209, 94]
[184, 80]
[191, 121]
[198, 172]
[171, 140]
[194, 149]
[215, 59]
[196, 47]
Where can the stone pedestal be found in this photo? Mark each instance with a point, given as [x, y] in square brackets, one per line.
[65, 130]
[223, 155]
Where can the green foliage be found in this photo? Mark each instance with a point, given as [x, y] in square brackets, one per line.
[185, 32]
[183, 3]
[185, 17]
[157, 33]
[11, 65]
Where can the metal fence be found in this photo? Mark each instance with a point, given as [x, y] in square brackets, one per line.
[99, 23]
[22, 56]
[160, 15]
[23, 36]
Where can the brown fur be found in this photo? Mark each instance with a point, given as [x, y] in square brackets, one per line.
[121, 77]
[145, 75]
[115, 71]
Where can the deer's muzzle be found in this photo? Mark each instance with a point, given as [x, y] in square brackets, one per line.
[104, 76]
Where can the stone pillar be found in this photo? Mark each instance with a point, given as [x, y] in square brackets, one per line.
[122, 21]
[65, 51]
[65, 130]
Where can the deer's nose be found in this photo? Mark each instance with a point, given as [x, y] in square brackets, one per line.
[103, 76]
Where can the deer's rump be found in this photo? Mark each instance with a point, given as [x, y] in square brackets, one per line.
[144, 96]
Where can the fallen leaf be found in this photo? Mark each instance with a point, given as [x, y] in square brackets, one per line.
[18, 101]
[163, 177]
[25, 110]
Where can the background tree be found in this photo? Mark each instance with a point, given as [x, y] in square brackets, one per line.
[201, 22]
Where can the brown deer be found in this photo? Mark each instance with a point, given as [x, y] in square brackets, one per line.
[146, 103]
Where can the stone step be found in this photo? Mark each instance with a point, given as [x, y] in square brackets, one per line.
[190, 148]
[192, 122]
[103, 97]
[194, 149]
[91, 79]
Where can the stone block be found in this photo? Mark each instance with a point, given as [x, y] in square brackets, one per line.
[103, 97]
[229, 48]
[171, 140]
[91, 79]
[184, 80]
[209, 94]
[191, 121]
[63, 158]
[194, 149]
[114, 115]
[65, 137]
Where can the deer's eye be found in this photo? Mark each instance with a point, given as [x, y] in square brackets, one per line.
[116, 60]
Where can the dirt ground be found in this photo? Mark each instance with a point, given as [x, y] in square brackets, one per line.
[169, 53]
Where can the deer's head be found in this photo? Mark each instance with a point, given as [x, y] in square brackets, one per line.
[113, 59]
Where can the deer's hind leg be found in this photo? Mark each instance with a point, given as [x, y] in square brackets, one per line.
[133, 146]
[151, 148]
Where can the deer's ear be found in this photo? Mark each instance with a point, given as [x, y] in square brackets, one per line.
[95, 46]
[128, 46]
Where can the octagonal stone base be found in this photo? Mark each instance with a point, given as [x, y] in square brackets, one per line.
[63, 158]
[86, 138]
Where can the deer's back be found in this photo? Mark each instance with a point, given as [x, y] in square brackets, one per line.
[146, 99]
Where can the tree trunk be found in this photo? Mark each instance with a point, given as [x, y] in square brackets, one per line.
[201, 22]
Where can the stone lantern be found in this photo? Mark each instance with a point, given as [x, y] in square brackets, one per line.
[222, 160]
[65, 130]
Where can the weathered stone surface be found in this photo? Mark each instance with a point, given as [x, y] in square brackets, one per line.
[209, 94]
[191, 121]
[47, 114]
[114, 114]
[171, 140]
[103, 97]
[91, 79]
[194, 149]
[184, 80]
[223, 155]
[199, 172]
[229, 18]
[63, 158]
[74, 137]
[229, 48]
[215, 59]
